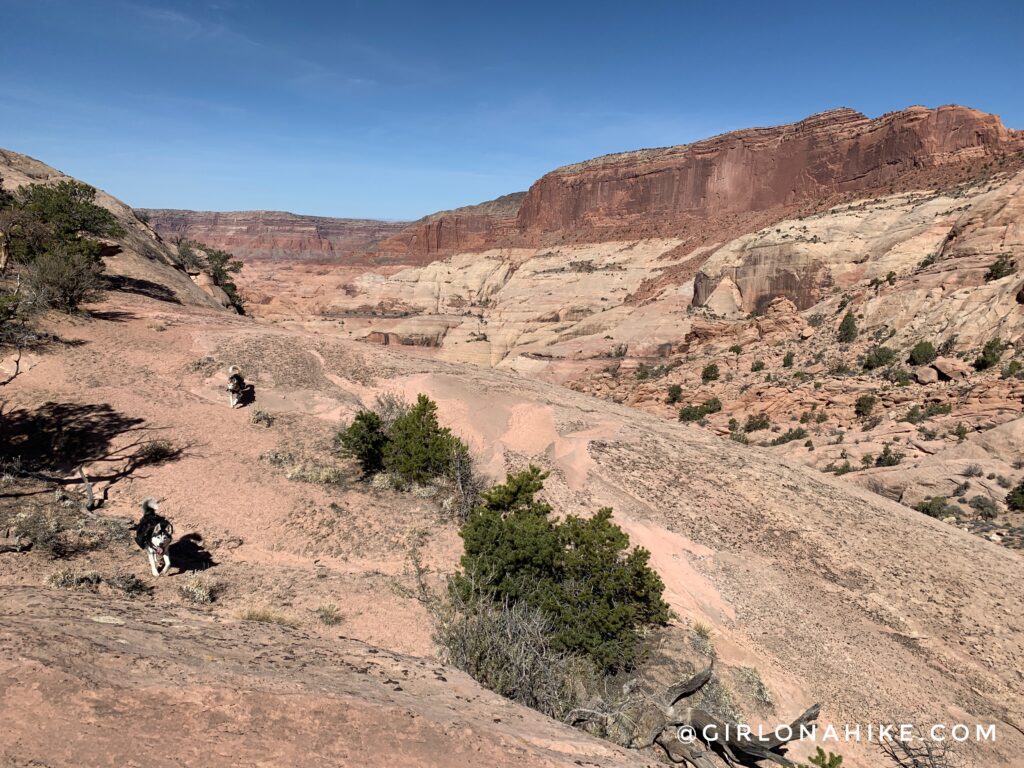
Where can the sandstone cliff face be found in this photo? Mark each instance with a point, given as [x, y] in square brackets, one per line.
[275, 234]
[719, 188]
[837, 152]
[472, 227]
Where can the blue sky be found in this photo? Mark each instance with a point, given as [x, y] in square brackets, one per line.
[397, 109]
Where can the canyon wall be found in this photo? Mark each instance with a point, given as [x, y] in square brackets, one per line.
[842, 152]
[473, 227]
[275, 234]
[705, 192]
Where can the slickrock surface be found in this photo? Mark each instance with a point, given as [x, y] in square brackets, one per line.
[834, 593]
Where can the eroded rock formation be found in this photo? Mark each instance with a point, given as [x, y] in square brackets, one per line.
[275, 234]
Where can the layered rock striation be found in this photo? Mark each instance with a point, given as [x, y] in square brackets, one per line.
[275, 234]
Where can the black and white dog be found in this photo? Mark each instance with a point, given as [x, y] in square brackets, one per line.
[236, 386]
[154, 534]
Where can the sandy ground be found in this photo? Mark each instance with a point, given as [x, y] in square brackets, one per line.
[833, 593]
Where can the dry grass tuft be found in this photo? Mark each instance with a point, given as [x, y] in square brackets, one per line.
[199, 591]
[267, 616]
[66, 578]
[328, 615]
[128, 583]
[701, 639]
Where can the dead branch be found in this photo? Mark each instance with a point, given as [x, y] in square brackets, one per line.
[661, 719]
[90, 503]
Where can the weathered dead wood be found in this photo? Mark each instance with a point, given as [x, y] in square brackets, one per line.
[713, 739]
[90, 502]
[12, 542]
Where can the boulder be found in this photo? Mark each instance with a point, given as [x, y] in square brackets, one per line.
[951, 369]
[926, 375]
[726, 301]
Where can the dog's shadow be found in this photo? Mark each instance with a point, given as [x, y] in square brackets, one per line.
[188, 554]
[247, 396]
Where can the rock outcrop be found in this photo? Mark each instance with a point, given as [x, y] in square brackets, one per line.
[139, 261]
[275, 234]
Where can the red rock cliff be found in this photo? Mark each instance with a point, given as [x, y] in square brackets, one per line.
[841, 151]
[474, 227]
[275, 234]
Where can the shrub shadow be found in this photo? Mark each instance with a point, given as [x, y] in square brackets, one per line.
[124, 284]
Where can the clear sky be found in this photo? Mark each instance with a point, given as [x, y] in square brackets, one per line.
[396, 109]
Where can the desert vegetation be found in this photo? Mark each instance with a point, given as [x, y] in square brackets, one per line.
[219, 264]
[407, 445]
[50, 253]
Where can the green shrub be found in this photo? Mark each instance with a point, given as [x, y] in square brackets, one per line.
[936, 506]
[878, 357]
[845, 468]
[923, 353]
[821, 759]
[580, 573]
[914, 415]
[698, 412]
[757, 422]
[675, 394]
[888, 457]
[364, 439]
[984, 506]
[787, 361]
[990, 354]
[757, 365]
[1011, 370]
[848, 329]
[221, 266]
[710, 373]
[418, 449]
[61, 216]
[1002, 267]
[48, 232]
[864, 405]
[897, 375]
[793, 434]
[736, 349]
[1015, 498]
[64, 280]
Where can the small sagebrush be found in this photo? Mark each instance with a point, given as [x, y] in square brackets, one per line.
[267, 616]
[701, 639]
[195, 589]
[261, 418]
[66, 578]
[128, 583]
[328, 615]
[755, 686]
